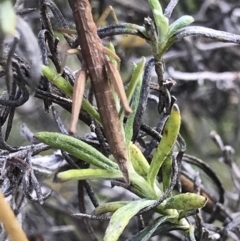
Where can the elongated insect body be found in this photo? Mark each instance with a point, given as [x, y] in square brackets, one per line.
[95, 60]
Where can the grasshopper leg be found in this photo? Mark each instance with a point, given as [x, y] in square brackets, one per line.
[79, 86]
[105, 14]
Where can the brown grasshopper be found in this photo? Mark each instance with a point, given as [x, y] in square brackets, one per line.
[99, 69]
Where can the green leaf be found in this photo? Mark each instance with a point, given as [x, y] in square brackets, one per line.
[121, 218]
[136, 84]
[166, 172]
[66, 87]
[141, 187]
[169, 136]
[109, 207]
[76, 148]
[89, 173]
[160, 20]
[178, 24]
[185, 202]
[136, 77]
[155, 5]
[140, 164]
[147, 232]
[112, 48]
[190, 233]
[57, 80]
[162, 228]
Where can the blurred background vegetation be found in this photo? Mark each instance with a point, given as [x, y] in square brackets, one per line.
[206, 103]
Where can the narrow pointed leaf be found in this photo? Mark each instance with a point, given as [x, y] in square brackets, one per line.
[112, 48]
[147, 232]
[83, 174]
[179, 23]
[109, 207]
[135, 100]
[169, 136]
[76, 148]
[57, 80]
[140, 164]
[141, 187]
[190, 233]
[167, 172]
[121, 218]
[162, 228]
[160, 20]
[136, 77]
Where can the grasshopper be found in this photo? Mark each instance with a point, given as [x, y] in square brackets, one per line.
[99, 69]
